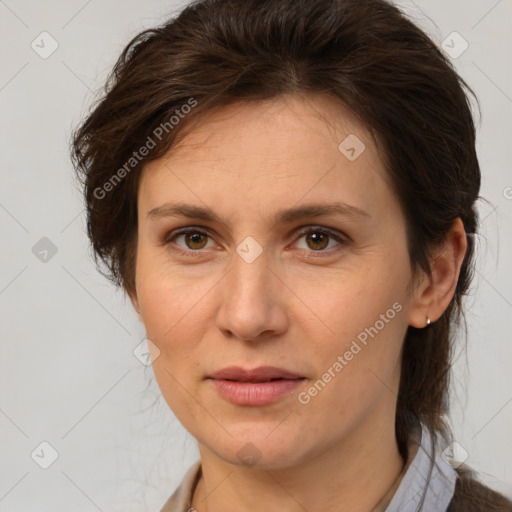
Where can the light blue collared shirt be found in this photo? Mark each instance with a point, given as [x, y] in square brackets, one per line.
[413, 488]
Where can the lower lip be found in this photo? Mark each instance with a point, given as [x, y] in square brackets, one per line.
[255, 393]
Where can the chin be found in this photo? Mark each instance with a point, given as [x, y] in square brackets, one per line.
[258, 450]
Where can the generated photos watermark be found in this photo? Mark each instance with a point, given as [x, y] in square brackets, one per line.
[150, 143]
[342, 360]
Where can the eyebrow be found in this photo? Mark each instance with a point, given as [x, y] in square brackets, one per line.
[284, 216]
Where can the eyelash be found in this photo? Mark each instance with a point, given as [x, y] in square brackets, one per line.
[340, 238]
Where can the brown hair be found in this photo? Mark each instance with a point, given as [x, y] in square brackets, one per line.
[366, 54]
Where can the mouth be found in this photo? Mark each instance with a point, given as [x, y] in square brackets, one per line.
[257, 387]
[259, 380]
[260, 374]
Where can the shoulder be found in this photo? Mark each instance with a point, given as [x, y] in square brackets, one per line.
[470, 495]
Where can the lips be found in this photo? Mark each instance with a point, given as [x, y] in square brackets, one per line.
[260, 374]
[258, 387]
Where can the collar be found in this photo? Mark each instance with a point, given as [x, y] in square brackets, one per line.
[416, 491]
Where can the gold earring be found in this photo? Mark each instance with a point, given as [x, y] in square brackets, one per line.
[428, 322]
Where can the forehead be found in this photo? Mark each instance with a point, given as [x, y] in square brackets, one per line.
[270, 152]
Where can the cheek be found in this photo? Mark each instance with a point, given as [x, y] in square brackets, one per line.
[165, 297]
[366, 321]
[176, 312]
[351, 300]
[171, 311]
[360, 365]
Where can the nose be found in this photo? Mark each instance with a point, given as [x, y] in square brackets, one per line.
[252, 301]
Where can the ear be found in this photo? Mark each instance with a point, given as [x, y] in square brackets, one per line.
[434, 293]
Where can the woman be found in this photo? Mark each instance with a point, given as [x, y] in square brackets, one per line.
[286, 191]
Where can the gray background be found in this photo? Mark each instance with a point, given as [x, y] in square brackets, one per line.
[68, 373]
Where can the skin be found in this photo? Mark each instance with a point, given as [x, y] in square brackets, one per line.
[297, 306]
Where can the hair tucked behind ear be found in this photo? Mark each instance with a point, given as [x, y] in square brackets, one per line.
[366, 54]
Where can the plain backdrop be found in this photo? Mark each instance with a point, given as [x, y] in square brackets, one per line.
[69, 377]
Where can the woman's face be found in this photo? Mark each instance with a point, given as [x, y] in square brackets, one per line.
[270, 280]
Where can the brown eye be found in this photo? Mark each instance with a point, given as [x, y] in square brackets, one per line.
[195, 240]
[321, 240]
[317, 240]
[189, 239]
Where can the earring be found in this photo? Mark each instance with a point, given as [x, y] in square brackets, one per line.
[428, 322]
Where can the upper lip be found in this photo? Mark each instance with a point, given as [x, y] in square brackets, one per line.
[260, 374]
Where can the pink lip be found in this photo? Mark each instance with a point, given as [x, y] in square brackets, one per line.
[262, 373]
[254, 387]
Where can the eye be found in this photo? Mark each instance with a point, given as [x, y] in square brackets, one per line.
[193, 239]
[318, 239]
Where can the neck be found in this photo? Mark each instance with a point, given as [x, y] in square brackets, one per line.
[359, 474]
